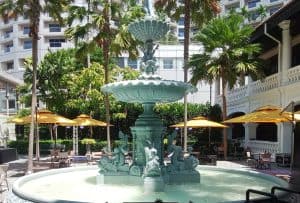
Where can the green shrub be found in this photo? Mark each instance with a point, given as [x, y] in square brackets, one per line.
[46, 145]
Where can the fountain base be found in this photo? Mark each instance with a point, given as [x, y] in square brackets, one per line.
[118, 178]
[154, 184]
[182, 177]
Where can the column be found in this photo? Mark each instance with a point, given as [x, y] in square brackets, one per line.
[286, 50]
[250, 132]
[284, 132]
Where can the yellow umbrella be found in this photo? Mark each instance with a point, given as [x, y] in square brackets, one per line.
[265, 114]
[199, 122]
[44, 117]
[19, 121]
[86, 120]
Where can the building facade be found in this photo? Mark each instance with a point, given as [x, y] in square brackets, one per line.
[279, 36]
[253, 7]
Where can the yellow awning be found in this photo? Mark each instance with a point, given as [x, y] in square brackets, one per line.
[265, 114]
[44, 117]
[199, 122]
[86, 120]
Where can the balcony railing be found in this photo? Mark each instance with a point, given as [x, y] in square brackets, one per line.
[269, 83]
[259, 146]
[294, 74]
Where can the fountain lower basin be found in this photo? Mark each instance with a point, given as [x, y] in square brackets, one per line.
[79, 184]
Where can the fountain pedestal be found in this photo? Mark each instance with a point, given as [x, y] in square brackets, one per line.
[147, 131]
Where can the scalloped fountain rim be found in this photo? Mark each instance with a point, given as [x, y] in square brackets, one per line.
[117, 88]
[148, 29]
[25, 197]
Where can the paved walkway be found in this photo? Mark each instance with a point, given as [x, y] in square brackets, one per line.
[18, 168]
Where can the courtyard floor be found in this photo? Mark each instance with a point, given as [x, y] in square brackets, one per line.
[18, 168]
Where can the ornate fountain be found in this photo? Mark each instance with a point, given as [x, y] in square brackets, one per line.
[149, 89]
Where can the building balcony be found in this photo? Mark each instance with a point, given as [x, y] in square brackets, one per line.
[269, 83]
[4, 39]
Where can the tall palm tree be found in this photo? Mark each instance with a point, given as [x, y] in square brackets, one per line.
[33, 9]
[227, 55]
[262, 11]
[197, 11]
[111, 39]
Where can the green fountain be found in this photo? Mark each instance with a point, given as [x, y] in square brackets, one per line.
[149, 89]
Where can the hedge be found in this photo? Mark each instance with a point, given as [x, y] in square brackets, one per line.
[46, 145]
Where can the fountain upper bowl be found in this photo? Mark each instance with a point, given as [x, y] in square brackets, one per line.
[148, 29]
[148, 91]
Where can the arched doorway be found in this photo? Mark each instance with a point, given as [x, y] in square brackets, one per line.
[267, 132]
[237, 129]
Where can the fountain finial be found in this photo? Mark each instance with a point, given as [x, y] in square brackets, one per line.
[148, 4]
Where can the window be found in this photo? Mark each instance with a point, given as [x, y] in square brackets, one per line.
[167, 63]
[56, 42]
[254, 16]
[181, 32]
[27, 44]
[271, 1]
[26, 30]
[6, 20]
[273, 10]
[181, 21]
[9, 65]
[7, 48]
[7, 33]
[266, 132]
[120, 62]
[252, 4]
[54, 28]
[11, 104]
[132, 63]
[26, 16]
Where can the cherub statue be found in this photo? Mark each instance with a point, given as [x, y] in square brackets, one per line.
[152, 167]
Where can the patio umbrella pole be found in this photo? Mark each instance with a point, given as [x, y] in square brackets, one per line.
[292, 143]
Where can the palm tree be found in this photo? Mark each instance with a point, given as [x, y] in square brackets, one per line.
[244, 12]
[197, 11]
[112, 40]
[33, 9]
[227, 55]
[262, 11]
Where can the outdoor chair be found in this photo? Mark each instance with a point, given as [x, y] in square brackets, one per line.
[3, 174]
[54, 158]
[64, 160]
[250, 160]
[265, 161]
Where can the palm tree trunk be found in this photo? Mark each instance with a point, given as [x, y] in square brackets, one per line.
[224, 115]
[106, 43]
[34, 35]
[187, 24]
